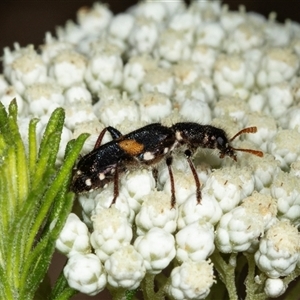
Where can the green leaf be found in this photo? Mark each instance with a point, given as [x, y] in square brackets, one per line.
[34, 202]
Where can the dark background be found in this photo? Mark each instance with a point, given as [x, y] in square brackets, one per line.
[26, 22]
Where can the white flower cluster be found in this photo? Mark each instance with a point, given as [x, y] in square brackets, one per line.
[163, 61]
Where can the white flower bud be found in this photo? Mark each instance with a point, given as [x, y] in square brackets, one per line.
[210, 34]
[152, 10]
[68, 68]
[238, 230]
[156, 211]
[274, 287]
[234, 107]
[157, 247]
[143, 36]
[104, 70]
[78, 113]
[279, 98]
[278, 64]
[121, 26]
[284, 147]
[111, 232]
[195, 109]
[230, 20]
[232, 76]
[204, 57]
[159, 80]
[172, 47]
[278, 251]
[74, 237]
[243, 38]
[43, 98]
[135, 71]
[138, 183]
[103, 200]
[285, 188]
[195, 242]
[85, 273]
[125, 268]
[230, 185]
[26, 70]
[184, 185]
[185, 283]
[190, 211]
[154, 107]
[77, 93]
[117, 111]
[94, 19]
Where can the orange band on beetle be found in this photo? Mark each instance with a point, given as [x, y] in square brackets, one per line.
[131, 147]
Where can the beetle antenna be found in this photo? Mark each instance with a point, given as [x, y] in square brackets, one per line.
[247, 130]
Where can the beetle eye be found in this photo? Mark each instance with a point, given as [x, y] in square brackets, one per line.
[220, 141]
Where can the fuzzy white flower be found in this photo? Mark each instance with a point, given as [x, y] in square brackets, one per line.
[137, 183]
[284, 147]
[125, 268]
[52, 47]
[85, 273]
[279, 98]
[94, 19]
[232, 76]
[111, 232]
[277, 35]
[266, 129]
[79, 113]
[237, 230]
[274, 287]
[186, 23]
[26, 70]
[104, 70]
[157, 247]
[154, 107]
[135, 71]
[77, 93]
[190, 211]
[210, 34]
[143, 37]
[195, 109]
[156, 211]
[185, 283]
[74, 238]
[204, 57]
[240, 229]
[229, 186]
[172, 47]
[278, 251]
[230, 20]
[68, 68]
[121, 26]
[152, 10]
[184, 185]
[243, 38]
[277, 65]
[103, 200]
[195, 242]
[286, 189]
[113, 113]
[159, 80]
[43, 98]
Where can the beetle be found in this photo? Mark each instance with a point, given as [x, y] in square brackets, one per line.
[148, 145]
[144, 146]
[193, 136]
